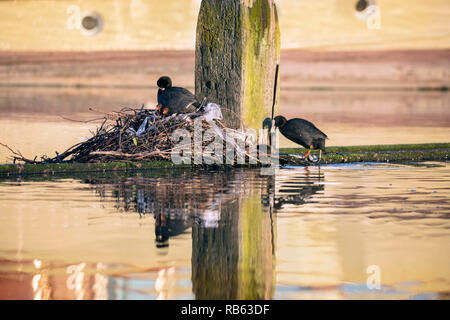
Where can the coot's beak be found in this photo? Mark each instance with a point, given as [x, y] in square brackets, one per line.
[267, 123]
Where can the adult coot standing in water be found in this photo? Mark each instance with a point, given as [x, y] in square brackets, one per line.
[300, 131]
[174, 99]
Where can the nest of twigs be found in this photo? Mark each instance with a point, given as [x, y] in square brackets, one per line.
[126, 135]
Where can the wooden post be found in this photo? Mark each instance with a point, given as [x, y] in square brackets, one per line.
[237, 49]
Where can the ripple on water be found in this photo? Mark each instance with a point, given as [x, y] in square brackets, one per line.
[210, 234]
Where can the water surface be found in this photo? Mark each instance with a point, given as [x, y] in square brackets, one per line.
[305, 233]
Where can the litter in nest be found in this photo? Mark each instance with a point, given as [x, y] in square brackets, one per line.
[145, 134]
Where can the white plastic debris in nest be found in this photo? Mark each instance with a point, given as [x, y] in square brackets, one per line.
[142, 127]
[212, 111]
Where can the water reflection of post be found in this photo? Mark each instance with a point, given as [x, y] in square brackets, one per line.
[236, 259]
[233, 238]
[215, 256]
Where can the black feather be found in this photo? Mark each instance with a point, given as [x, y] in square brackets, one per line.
[302, 132]
[176, 99]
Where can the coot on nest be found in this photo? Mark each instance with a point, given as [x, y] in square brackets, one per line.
[302, 132]
[174, 99]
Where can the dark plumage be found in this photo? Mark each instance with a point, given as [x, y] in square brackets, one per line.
[302, 132]
[175, 99]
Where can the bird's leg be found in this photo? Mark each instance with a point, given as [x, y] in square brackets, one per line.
[158, 107]
[320, 154]
[309, 151]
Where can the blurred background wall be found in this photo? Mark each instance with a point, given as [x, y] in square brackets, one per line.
[327, 43]
[65, 25]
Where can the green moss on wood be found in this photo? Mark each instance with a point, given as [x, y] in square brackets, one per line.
[50, 169]
[262, 52]
[374, 148]
[258, 25]
[236, 49]
[209, 24]
[218, 57]
[377, 153]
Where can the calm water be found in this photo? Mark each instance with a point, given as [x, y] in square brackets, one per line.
[305, 233]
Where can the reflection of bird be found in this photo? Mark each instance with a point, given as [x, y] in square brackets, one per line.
[174, 99]
[167, 227]
[298, 189]
[296, 195]
[302, 132]
[161, 231]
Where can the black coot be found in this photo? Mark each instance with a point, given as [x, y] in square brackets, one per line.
[302, 132]
[174, 99]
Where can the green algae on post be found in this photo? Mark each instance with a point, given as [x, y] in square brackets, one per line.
[262, 49]
[235, 59]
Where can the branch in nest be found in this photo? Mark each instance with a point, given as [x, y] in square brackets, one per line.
[17, 155]
[127, 155]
